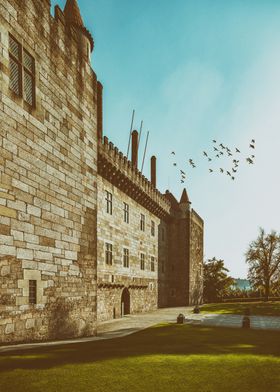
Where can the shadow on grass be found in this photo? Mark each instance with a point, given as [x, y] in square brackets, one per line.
[163, 339]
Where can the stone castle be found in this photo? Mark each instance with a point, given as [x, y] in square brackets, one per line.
[84, 236]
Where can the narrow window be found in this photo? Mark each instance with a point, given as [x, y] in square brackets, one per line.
[22, 72]
[15, 56]
[108, 253]
[142, 261]
[126, 212]
[142, 222]
[109, 199]
[152, 264]
[152, 228]
[126, 258]
[32, 292]
[28, 78]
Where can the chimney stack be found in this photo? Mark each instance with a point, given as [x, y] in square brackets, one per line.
[99, 110]
[134, 150]
[154, 171]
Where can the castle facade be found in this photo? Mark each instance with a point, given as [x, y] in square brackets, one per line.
[84, 236]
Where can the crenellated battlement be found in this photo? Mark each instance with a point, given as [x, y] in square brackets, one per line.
[115, 167]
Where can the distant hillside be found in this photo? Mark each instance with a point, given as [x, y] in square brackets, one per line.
[242, 284]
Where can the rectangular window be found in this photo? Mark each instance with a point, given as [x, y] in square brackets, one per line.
[126, 212]
[153, 228]
[152, 264]
[22, 72]
[126, 258]
[142, 222]
[142, 261]
[109, 202]
[108, 253]
[32, 292]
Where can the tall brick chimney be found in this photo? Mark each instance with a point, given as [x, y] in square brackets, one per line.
[134, 149]
[154, 171]
[99, 110]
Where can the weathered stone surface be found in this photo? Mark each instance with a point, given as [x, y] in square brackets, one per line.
[10, 328]
[45, 191]
[30, 323]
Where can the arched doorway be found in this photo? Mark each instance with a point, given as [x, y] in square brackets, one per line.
[125, 302]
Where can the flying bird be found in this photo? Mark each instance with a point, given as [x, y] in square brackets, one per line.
[211, 170]
[252, 146]
[221, 145]
[174, 164]
[221, 170]
[218, 156]
[249, 160]
[228, 173]
[221, 153]
[205, 154]
[209, 159]
[236, 149]
[232, 177]
[214, 141]
[215, 149]
[253, 141]
[173, 153]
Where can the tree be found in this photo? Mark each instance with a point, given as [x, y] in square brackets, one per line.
[216, 281]
[263, 257]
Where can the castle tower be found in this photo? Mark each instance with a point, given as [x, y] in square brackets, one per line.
[74, 20]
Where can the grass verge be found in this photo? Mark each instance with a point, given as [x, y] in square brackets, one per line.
[164, 358]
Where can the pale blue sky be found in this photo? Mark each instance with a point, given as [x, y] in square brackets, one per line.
[194, 71]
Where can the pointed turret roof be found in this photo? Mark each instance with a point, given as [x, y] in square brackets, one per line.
[184, 197]
[73, 17]
[72, 13]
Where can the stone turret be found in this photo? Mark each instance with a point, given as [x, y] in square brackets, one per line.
[74, 19]
[185, 203]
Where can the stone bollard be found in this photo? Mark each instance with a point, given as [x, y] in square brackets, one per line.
[246, 323]
[196, 309]
[180, 319]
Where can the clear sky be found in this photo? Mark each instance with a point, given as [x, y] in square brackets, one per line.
[196, 71]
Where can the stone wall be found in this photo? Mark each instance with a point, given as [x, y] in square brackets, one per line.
[164, 269]
[112, 279]
[196, 259]
[48, 159]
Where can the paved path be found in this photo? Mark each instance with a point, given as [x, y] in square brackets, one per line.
[114, 328]
[234, 321]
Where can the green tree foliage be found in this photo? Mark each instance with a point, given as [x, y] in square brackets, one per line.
[217, 283]
[263, 257]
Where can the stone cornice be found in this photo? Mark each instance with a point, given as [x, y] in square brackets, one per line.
[117, 169]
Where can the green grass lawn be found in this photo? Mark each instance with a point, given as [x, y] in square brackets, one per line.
[165, 358]
[257, 308]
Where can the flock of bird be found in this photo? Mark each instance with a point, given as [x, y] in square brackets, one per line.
[219, 151]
